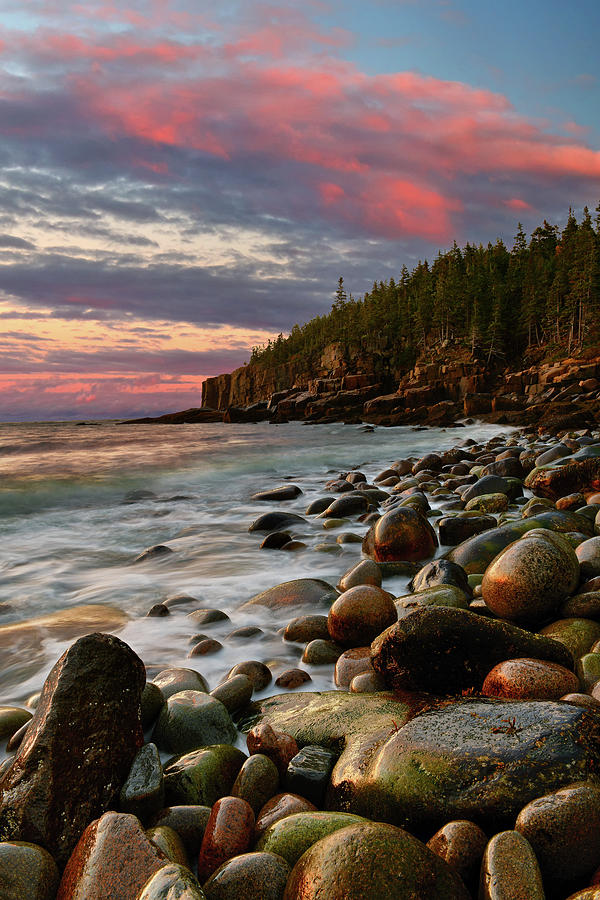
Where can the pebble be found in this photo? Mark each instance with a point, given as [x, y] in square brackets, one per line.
[253, 876]
[461, 844]
[510, 870]
[320, 653]
[235, 692]
[258, 673]
[27, 872]
[257, 781]
[360, 614]
[192, 719]
[352, 663]
[229, 832]
[529, 679]
[277, 745]
[279, 807]
[292, 678]
[188, 821]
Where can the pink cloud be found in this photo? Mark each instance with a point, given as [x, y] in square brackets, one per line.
[517, 204]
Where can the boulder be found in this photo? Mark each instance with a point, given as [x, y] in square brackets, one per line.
[580, 476]
[400, 534]
[79, 746]
[300, 592]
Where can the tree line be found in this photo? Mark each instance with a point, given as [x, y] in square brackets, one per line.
[496, 302]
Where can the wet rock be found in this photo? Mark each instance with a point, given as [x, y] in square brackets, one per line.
[308, 772]
[364, 572]
[159, 551]
[257, 781]
[577, 635]
[276, 521]
[205, 647]
[174, 680]
[317, 506]
[113, 860]
[27, 872]
[277, 745]
[292, 678]
[11, 719]
[306, 628]
[285, 492]
[199, 778]
[583, 606]
[276, 540]
[441, 595]
[292, 836]
[143, 793]
[531, 577]
[253, 876]
[300, 592]
[172, 882]
[588, 554]
[488, 484]
[563, 827]
[369, 861]
[510, 870]
[588, 670]
[202, 617]
[529, 679]
[321, 653]
[258, 673]
[193, 719]
[368, 682]
[167, 840]
[488, 503]
[460, 844]
[360, 614]
[438, 572]
[400, 534]
[348, 537]
[188, 821]
[235, 692]
[245, 632]
[159, 610]
[351, 663]
[176, 600]
[509, 467]
[353, 504]
[229, 832]
[96, 688]
[443, 650]
[571, 501]
[574, 477]
[279, 807]
[477, 552]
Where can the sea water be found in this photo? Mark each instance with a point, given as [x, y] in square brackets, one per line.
[79, 502]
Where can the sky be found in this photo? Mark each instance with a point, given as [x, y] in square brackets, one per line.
[181, 181]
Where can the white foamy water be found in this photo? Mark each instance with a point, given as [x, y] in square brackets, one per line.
[67, 537]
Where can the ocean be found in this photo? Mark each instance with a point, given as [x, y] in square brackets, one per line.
[80, 501]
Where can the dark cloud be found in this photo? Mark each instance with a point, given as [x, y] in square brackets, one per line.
[15, 243]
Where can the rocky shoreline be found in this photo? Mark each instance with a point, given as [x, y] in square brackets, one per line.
[457, 754]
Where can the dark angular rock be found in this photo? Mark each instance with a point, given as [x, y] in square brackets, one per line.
[454, 529]
[308, 773]
[583, 476]
[79, 746]
[440, 571]
[443, 650]
[276, 521]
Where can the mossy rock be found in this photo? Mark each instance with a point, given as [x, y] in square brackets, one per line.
[292, 836]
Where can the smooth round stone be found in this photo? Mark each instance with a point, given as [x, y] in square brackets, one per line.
[351, 663]
[581, 700]
[167, 840]
[158, 611]
[360, 614]
[15, 741]
[285, 492]
[279, 807]
[143, 793]
[229, 832]
[259, 674]
[277, 745]
[531, 578]
[293, 546]
[202, 776]
[330, 524]
[488, 503]
[529, 679]
[202, 617]
[588, 554]
[153, 701]
[461, 844]
[292, 678]
[205, 647]
[188, 821]
[276, 521]
[563, 828]
[588, 670]
[364, 572]
[440, 573]
[11, 719]
[179, 600]
[577, 635]
[399, 535]
[276, 540]
[438, 595]
[570, 501]
[321, 653]
[234, 693]
[367, 683]
[173, 681]
[257, 781]
[253, 876]
[317, 506]
[292, 835]
[352, 504]
[348, 537]
[306, 628]
[510, 870]
[27, 872]
[172, 882]
[371, 861]
[585, 605]
[245, 632]
[193, 719]
[455, 529]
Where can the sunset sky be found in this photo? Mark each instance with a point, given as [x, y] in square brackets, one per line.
[180, 180]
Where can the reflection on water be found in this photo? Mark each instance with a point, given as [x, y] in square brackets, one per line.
[78, 504]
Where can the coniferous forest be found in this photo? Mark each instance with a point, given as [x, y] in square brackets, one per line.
[495, 302]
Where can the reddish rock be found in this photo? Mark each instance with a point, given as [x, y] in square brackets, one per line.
[277, 745]
[292, 678]
[461, 844]
[79, 746]
[229, 832]
[574, 477]
[360, 614]
[351, 663]
[401, 534]
[112, 861]
[279, 807]
[529, 679]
